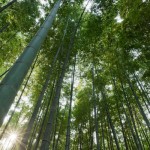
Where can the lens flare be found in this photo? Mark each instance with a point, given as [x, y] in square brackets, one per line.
[9, 140]
[13, 136]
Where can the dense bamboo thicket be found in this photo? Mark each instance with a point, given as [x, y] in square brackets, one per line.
[74, 75]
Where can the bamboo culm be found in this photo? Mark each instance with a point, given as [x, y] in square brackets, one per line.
[129, 121]
[40, 98]
[48, 131]
[95, 113]
[110, 121]
[44, 118]
[6, 126]
[59, 132]
[138, 103]
[14, 78]
[67, 146]
[143, 91]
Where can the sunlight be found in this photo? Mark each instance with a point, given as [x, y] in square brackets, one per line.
[88, 7]
[13, 136]
[8, 142]
[118, 18]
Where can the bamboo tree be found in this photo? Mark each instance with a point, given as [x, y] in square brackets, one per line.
[40, 98]
[34, 132]
[109, 138]
[118, 115]
[39, 122]
[143, 91]
[145, 134]
[48, 131]
[124, 136]
[67, 147]
[54, 136]
[18, 101]
[58, 138]
[12, 81]
[95, 113]
[38, 104]
[56, 121]
[123, 132]
[80, 136]
[129, 121]
[45, 115]
[110, 121]
[59, 131]
[134, 126]
[91, 131]
[103, 136]
[138, 103]
[145, 103]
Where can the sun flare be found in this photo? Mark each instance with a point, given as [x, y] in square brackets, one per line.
[13, 136]
[7, 142]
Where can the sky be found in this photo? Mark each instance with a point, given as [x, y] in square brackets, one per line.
[118, 18]
[88, 7]
[84, 3]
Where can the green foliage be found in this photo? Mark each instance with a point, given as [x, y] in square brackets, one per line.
[117, 50]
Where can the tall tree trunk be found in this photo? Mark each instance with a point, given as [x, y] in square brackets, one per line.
[123, 132]
[142, 94]
[40, 98]
[18, 101]
[48, 131]
[55, 127]
[143, 91]
[134, 126]
[80, 136]
[144, 101]
[59, 132]
[7, 5]
[54, 136]
[44, 118]
[138, 103]
[103, 137]
[95, 111]
[110, 121]
[34, 133]
[141, 127]
[128, 119]
[67, 147]
[109, 135]
[38, 104]
[124, 136]
[12, 81]
[91, 132]
[58, 138]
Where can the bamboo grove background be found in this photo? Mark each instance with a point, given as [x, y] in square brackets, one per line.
[75, 75]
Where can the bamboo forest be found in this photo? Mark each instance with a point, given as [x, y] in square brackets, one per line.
[74, 74]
